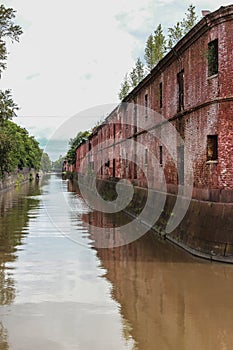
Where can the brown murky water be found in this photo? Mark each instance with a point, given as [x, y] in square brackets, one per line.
[59, 292]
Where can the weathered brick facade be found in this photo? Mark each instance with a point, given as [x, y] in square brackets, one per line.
[191, 87]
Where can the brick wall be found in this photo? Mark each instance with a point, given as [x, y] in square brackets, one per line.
[206, 110]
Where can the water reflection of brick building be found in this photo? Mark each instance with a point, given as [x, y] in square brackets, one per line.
[166, 306]
[169, 307]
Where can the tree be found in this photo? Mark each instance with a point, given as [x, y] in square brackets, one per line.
[139, 69]
[149, 52]
[133, 77]
[74, 143]
[57, 164]
[45, 164]
[7, 30]
[159, 44]
[125, 88]
[190, 19]
[155, 48]
[174, 34]
[7, 106]
[181, 28]
[17, 149]
[6, 146]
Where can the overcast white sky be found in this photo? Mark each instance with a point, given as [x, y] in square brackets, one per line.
[74, 54]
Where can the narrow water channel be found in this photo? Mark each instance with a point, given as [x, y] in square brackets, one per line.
[57, 291]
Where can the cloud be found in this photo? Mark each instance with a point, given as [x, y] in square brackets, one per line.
[32, 76]
[86, 76]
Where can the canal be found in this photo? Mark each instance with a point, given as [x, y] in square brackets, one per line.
[58, 291]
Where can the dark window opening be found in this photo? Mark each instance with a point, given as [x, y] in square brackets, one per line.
[213, 57]
[135, 118]
[161, 155]
[146, 156]
[212, 147]
[146, 105]
[135, 166]
[180, 164]
[107, 164]
[180, 80]
[114, 168]
[114, 130]
[160, 95]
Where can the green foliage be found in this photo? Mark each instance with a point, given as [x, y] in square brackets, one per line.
[155, 48]
[45, 163]
[181, 28]
[137, 73]
[7, 145]
[139, 66]
[125, 88]
[149, 52]
[174, 34]
[8, 30]
[17, 149]
[135, 76]
[190, 19]
[57, 164]
[7, 106]
[74, 143]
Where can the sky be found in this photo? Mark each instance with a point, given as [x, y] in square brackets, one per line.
[73, 56]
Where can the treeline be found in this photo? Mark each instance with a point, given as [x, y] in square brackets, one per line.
[157, 46]
[18, 149]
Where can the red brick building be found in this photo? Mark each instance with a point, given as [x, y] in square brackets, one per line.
[191, 87]
[174, 133]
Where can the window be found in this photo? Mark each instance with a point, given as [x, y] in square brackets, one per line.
[146, 156]
[135, 117]
[146, 105]
[213, 57]
[212, 147]
[160, 95]
[180, 80]
[180, 164]
[161, 155]
[135, 165]
[114, 168]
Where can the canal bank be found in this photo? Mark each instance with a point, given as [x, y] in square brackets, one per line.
[17, 178]
[205, 231]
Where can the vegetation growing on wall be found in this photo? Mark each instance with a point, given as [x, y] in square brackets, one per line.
[157, 45]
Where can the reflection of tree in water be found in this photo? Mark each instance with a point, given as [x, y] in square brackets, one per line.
[3, 338]
[14, 218]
